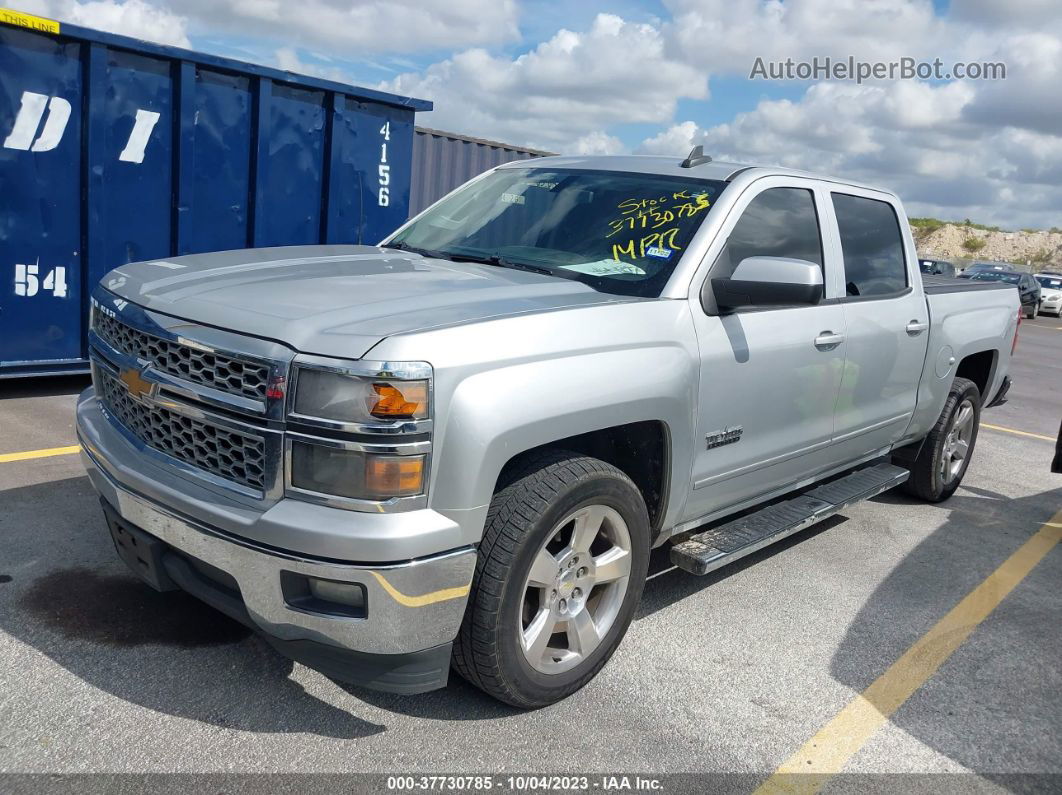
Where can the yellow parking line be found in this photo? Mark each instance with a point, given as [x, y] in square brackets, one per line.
[6, 458]
[828, 752]
[1019, 433]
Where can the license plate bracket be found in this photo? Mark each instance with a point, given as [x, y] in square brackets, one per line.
[140, 551]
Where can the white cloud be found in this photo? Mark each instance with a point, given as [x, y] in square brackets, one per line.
[288, 59]
[909, 137]
[135, 18]
[597, 143]
[347, 26]
[1020, 13]
[1029, 96]
[570, 85]
[678, 139]
[726, 36]
[356, 27]
[990, 150]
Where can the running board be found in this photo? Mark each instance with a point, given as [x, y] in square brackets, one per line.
[722, 545]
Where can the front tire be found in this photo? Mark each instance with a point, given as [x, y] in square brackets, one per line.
[560, 572]
[946, 452]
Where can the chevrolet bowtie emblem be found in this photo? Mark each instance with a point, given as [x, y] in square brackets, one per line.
[138, 386]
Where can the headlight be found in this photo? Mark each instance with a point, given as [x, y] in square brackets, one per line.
[360, 431]
[355, 474]
[360, 399]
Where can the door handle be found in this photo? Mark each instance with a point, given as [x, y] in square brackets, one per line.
[916, 327]
[827, 340]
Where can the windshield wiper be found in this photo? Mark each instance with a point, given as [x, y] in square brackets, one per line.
[493, 259]
[424, 252]
[501, 262]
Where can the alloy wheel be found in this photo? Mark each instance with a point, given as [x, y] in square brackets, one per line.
[575, 588]
[957, 442]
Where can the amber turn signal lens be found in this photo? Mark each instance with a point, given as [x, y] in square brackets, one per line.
[401, 400]
[394, 475]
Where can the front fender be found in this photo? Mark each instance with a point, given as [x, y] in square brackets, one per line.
[497, 414]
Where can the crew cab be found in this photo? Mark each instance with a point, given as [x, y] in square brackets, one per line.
[458, 447]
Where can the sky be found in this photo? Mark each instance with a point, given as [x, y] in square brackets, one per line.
[660, 76]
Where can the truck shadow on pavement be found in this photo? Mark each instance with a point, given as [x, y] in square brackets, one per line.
[458, 701]
[1002, 686]
[167, 652]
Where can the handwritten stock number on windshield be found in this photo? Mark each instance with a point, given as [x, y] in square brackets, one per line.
[664, 213]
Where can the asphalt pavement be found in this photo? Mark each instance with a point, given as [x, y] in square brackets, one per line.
[733, 672]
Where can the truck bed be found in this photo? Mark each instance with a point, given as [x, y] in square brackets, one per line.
[934, 285]
[966, 317]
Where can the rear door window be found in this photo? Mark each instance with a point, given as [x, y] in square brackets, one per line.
[872, 246]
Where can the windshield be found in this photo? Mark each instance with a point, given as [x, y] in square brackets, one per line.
[619, 232]
[1050, 282]
[997, 276]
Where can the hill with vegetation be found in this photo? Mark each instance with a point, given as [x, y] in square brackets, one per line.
[965, 241]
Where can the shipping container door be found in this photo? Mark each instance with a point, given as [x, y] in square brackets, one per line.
[383, 152]
[220, 122]
[40, 198]
[290, 166]
[130, 161]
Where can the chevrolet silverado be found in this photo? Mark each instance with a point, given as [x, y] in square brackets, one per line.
[457, 448]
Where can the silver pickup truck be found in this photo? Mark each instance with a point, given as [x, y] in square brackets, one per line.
[457, 448]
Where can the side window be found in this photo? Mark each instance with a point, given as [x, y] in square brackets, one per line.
[872, 246]
[780, 222]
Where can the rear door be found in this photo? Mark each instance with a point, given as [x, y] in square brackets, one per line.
[886, 317]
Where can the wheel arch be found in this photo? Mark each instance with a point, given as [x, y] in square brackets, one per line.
[641, 450]
[980, 368]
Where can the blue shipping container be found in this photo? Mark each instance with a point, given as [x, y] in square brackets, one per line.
[113, 150]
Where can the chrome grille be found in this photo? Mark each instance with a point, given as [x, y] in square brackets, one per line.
[234, 376]
[234, 456]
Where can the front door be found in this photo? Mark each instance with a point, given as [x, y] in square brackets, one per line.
[769, 376]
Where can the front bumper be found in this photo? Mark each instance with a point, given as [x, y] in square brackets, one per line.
[410, 607]
[1051, 305]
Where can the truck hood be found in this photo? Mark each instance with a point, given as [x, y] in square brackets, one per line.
[338, 300]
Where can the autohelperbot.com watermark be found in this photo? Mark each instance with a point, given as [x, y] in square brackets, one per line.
[851, 68]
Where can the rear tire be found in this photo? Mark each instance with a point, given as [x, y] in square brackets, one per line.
[946, 452]
[1030, 314]
[560, 572]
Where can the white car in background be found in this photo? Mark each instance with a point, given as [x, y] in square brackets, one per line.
[1050, 293]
